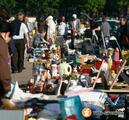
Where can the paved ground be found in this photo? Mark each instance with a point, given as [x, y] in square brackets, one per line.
[24, 76]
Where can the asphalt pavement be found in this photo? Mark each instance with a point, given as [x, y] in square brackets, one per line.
[25, 75]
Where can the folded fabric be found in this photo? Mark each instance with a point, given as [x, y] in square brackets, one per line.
[88, 95]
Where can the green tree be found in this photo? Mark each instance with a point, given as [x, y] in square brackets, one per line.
[116, 7]
[122, 6]
[94, 6]
[42, 7]
[89, 6]
[10, 4]
[67, 7]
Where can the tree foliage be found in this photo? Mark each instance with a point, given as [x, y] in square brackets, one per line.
[94, 6]
[123, 6]
[55, 7]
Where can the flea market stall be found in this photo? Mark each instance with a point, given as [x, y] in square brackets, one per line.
[76, 86]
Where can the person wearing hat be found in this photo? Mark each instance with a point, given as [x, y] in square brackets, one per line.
[75, 28]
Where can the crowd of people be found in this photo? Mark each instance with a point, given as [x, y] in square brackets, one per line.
[15, 38]
[15, 35]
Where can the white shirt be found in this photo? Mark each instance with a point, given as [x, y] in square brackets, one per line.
[74, 23]
[23, 30]
[61, 29]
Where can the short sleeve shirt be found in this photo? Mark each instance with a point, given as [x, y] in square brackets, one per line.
[23, 30]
